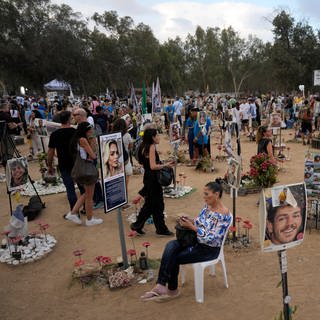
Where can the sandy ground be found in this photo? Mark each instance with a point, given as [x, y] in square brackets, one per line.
[42, 290]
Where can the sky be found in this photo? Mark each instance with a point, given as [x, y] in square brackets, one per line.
[172, 18]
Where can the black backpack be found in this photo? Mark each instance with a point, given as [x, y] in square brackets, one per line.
[33, 209]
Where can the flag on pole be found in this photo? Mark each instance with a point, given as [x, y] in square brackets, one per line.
[134, 100]
[157, 98]
[153, 98]
[144, 99]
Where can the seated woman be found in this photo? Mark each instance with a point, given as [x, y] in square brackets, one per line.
[210, 226]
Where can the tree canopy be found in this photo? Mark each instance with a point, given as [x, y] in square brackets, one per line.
[40, 41]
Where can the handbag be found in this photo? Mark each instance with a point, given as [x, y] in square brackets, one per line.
[165, 176]
[186, 237]
[84, 171]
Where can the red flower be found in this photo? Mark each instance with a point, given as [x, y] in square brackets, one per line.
[131, 252]
[247, 225]
[44, 226]
[78, 252]
[5, 233]
[106, 260]
[33, 233]
[79, 263]
[247, 221]
[233, 229]
[132, 234]
[16, 239]
[146, 244]
[98, 258]
[238, 219]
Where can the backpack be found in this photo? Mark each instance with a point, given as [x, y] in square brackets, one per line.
[33, 209]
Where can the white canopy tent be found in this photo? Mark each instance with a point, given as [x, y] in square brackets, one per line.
[57, 85]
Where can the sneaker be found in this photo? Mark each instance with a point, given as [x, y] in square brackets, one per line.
[73, 217]
[98, 205]
[94, 221]
[165, 233]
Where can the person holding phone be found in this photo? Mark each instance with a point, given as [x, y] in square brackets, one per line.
[210, 227]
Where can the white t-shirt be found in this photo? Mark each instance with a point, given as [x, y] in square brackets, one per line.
[90, 120]
[236, 115]
[177, 107]
[245, 111]
[126, 141]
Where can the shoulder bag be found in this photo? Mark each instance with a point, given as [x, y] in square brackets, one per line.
[84, 171]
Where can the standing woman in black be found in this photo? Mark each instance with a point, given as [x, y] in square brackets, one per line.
[264, 141]
[152, 190]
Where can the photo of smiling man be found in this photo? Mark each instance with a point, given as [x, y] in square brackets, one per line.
[285, 217]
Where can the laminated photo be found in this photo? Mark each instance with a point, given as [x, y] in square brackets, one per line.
[112, 171]
[17, 173]
[275, 120]
[174, 132]
[233, 173]
[202, 118]
[283, 216]
[41, 127]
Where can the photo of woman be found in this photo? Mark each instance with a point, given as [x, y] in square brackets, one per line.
[175, 132]
[17, 173]
[202, 118]
[112, 158]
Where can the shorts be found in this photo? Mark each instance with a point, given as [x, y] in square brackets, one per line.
[306, 127]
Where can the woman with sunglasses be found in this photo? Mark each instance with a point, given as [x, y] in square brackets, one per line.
[81, 144]
[210, 227]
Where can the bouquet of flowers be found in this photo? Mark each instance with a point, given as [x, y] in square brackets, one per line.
[263, 170]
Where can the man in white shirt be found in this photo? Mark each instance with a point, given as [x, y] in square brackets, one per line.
[244, 115]
[177, 110]
[236, 119]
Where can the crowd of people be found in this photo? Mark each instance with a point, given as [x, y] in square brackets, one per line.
[83, 119]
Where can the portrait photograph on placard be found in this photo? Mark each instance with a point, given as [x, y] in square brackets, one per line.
[275, 120]
[202, 118]
[41, 127]
[17, 173]
[312, 173]
[283, 216]
[174, 132]
[233, 173]
[112, 170]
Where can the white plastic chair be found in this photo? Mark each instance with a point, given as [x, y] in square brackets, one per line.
[199, 267]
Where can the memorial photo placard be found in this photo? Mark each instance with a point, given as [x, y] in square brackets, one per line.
[112, 171]
[17, 173]
[283, 216]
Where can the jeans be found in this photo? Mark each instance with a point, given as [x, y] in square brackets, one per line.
[190, 142]
[174, 255]
[69, 184]
[153, 205]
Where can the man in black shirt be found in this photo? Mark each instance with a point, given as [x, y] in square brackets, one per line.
[60, 141]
